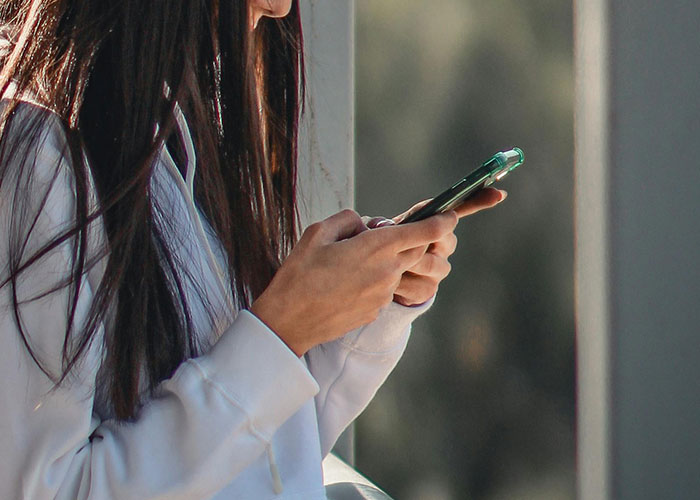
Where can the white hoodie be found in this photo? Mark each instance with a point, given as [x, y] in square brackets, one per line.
[246, 420]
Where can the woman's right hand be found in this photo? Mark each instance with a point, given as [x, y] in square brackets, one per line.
[339, 275]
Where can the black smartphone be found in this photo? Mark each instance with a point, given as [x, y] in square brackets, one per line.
[492, 170]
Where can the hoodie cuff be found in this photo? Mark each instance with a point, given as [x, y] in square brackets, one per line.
[255, 370]
[388, 332]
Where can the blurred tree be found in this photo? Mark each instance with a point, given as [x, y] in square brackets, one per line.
[482, 405]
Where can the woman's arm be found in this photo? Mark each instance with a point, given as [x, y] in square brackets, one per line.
[203, 426]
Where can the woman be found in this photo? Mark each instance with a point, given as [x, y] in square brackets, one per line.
[161, 337]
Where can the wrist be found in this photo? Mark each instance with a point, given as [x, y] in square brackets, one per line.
[274, 318]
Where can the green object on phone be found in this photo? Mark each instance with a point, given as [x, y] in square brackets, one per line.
[492, 170]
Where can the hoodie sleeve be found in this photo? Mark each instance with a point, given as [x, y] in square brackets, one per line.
[350, 370]
[204, 425]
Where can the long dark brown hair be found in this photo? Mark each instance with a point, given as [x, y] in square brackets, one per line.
[112, 71]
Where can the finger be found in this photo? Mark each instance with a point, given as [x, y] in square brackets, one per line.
[411, 257]
[486, 198]
[431, 266]
[415, 289]
[411, 210]
[416, 234]
[445, 247]
[345, 224]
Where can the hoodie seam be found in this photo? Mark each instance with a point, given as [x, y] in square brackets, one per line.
[335, 381]
[399, 346]
[232, 400]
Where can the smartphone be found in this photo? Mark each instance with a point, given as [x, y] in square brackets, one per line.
[492, 170]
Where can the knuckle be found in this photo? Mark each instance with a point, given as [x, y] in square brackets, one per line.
[452, 219]
[314, 230]
[349, 213]
[439, 267]
[453, 242]
[444, 225]
[448, 268]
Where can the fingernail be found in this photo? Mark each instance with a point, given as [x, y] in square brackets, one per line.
[376, 222]
[385, 222]
[504, 195]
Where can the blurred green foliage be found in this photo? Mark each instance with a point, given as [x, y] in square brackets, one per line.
[482, 404]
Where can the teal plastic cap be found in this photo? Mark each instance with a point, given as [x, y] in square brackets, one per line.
[513, 158]
[509, 160]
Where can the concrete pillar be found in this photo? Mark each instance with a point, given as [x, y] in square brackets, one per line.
[638, 248]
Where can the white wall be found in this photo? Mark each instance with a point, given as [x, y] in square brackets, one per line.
[327, 147]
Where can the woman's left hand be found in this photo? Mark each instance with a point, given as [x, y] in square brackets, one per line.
[421, 282]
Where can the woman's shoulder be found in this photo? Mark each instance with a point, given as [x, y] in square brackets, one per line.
[25, 121]
[39, 192]
[37, 180]
[34, 150]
